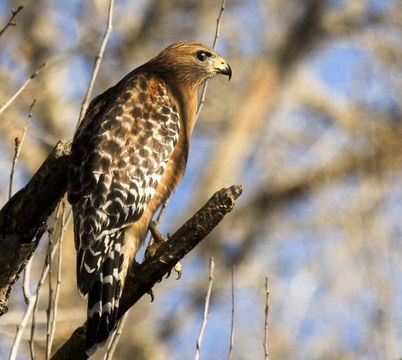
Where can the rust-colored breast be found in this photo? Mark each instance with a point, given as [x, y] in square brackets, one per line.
[173, 172]
[168, 184]
[171, 176]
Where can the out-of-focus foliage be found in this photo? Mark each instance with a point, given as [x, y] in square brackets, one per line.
[310, 124]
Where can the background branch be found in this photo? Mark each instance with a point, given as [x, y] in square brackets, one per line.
[11, 22]
[98, 60]
[232, 318]
[266, 348]
[18, 145]
[206, 313]
[21, 89]
[216, 36]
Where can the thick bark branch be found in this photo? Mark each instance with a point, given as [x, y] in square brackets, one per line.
[23, 218]
[144, 276]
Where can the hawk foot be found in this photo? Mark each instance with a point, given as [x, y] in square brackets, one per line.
[159, 239]
[156, 234]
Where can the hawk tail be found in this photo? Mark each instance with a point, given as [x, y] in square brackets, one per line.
[104, 295]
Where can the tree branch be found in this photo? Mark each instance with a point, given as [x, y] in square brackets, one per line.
[144, 276]
[97, 63]
[11, 22]
[216, 36]
[22, 88]
[23, 217]
[206, 310]
[18, 146]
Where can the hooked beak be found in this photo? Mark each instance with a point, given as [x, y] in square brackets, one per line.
[223, 67]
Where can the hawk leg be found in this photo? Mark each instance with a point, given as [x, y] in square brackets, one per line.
[159, 239]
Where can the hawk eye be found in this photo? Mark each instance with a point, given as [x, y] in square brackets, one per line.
[202, 55]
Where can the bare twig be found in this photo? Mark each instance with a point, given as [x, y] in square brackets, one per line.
[31, 305]
[266, 320]
[216, 36]
[11, 22]
[47, 270]
[115, 339]
[65, 220]
[20, 329]
[50, 297]
[218, 24]
[31, 340]
[21, 89]
[26, 280]
[98, 60]
[206, 309]
[18, 145]
[50, 282]
[232, 319]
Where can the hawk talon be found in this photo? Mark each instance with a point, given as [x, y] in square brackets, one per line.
[151, 294]
[178, 269]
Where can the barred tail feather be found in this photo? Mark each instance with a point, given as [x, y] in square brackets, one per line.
[90, 261]
[103, 297]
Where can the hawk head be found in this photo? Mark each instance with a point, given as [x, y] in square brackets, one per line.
[190, 62]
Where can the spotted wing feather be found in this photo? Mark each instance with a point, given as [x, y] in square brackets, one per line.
[118, 157]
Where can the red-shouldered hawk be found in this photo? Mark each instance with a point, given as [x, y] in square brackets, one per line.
[128, 156]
